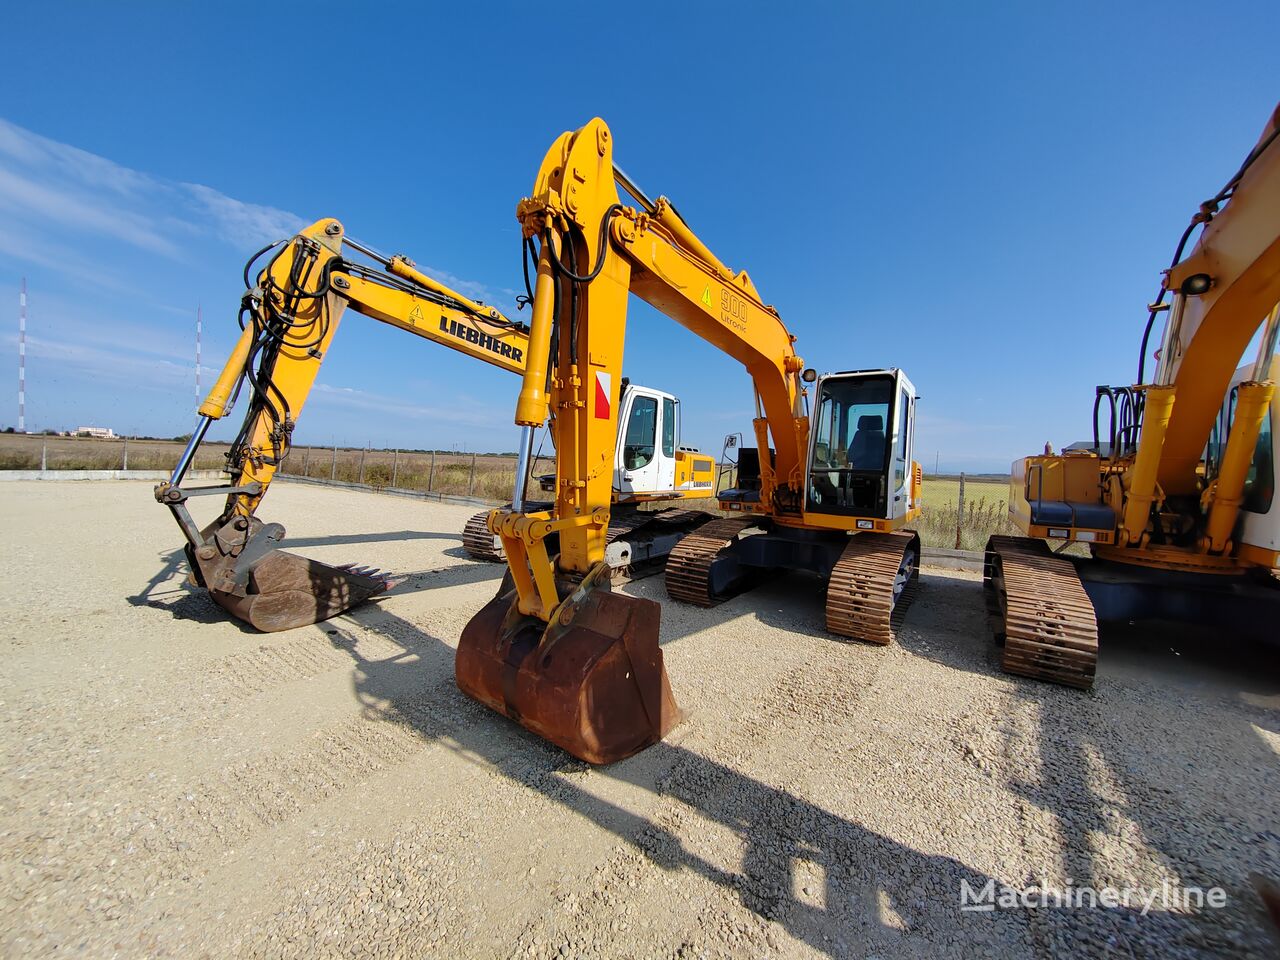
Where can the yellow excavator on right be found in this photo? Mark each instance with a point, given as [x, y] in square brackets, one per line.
[1175, 497]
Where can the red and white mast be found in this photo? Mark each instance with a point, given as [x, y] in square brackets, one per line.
[22, 358]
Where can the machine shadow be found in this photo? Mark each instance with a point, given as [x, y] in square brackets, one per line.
[873, 893]
[1088, 743]
[779, 831]
[1107, 753]
[1118, 753]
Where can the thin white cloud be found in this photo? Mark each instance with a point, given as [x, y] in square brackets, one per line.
[25, 148]
[20, 194]
[119, 260]
[52, 184]
[244, 224]
[457, 411]
[472, 289]
[104, 365]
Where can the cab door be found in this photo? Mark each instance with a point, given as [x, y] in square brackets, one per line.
[903, 447]
[637, 467]
[669, 435]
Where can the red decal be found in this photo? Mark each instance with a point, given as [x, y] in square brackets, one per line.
[603, 381]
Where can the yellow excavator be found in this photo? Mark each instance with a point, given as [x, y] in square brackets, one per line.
[289, 317]
[828, 492]
[1175, 496]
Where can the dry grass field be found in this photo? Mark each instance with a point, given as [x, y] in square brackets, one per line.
[986, 506]
[448, 473]
[986, 501]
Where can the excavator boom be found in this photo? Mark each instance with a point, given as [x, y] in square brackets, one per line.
[289, 319]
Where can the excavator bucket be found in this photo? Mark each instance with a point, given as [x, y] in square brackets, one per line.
[287, 591]
[592, 682]
[274, 590]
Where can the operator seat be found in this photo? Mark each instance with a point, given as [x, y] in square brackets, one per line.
[866, 452]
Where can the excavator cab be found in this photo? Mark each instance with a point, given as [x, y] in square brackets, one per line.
[650, 463]
[861, 436]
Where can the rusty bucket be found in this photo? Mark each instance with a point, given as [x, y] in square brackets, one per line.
[594, 685]
[269, 588]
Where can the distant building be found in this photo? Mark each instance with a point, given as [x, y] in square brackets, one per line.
[100, 433]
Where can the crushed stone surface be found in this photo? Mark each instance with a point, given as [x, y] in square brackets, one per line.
[178, 785]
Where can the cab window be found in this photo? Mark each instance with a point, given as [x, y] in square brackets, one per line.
[900, 457]
[851, 422]
[851, 446]
[668, 427]
[642, 429]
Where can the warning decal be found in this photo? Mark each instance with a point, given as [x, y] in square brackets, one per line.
[706, 295]
[415, 315]
[603, 397]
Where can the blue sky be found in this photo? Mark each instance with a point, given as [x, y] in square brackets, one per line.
[982, 194]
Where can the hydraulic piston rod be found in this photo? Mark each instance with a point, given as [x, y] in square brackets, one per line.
[188, 454]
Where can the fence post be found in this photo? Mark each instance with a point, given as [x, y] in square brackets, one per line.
[44, 456]
[960, 512]
[126, 454]
[471, 480]
[362, 453]
[395, 466]
[306, 461]
[431, 475]
[333, 467]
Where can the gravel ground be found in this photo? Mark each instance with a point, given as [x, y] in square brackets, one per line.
[176, 785]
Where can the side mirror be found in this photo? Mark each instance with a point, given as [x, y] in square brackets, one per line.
[809, 375]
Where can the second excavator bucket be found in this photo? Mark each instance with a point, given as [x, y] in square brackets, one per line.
[271, 589]
[592, 682]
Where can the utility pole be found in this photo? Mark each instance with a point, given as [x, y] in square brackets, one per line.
[22, 358]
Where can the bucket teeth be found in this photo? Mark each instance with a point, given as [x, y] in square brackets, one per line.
[371, 572]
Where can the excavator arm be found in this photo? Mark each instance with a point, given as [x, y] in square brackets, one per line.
[556, 649]
[290, 318]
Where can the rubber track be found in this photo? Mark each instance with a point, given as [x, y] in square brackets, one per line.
[689, 565]
[860, 592]
[1048, 622]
